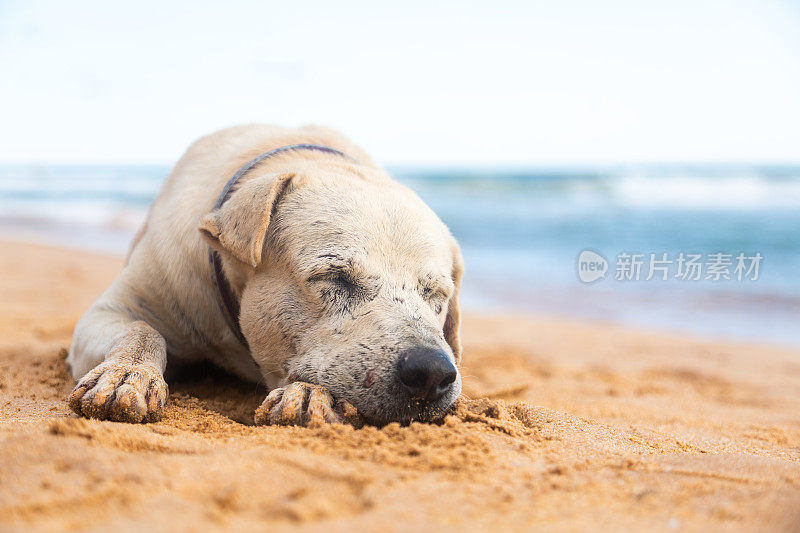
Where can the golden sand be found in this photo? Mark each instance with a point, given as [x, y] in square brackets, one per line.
[579, 426]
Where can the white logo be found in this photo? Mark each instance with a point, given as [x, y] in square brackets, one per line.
[663, 266]
[591, 266]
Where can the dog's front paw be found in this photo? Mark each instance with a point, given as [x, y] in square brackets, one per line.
[302, 404]
[121, 391]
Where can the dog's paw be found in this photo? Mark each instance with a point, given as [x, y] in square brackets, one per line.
[303, 404]
[121, 391]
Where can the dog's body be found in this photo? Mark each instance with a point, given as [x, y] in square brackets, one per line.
[347, 286]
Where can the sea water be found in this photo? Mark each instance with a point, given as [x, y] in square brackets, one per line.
[522, 232]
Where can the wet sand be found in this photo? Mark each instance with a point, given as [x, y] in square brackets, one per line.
[570, 425]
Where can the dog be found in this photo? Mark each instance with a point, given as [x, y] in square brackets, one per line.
[314, 272]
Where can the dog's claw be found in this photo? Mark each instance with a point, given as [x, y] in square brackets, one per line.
[120, 391]
[302, 404]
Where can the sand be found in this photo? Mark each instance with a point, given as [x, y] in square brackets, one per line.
[571, 425]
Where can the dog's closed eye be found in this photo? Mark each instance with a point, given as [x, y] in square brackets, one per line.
[435, 296]
[336, 276]
[345, 281]
[338, 287]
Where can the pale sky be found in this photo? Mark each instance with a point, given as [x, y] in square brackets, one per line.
[418, 83]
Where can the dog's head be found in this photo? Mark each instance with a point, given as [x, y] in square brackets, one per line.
[349, 283]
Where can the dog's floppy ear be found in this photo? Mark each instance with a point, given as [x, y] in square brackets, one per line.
[452, 323]
[239, 226]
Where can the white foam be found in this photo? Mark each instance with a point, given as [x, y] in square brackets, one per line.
[698, 192]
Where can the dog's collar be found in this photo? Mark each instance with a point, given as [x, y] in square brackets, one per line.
[228, 303]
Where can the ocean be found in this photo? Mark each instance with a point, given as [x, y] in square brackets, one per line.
[522, 232]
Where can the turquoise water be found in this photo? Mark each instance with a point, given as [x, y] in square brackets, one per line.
[521, 232]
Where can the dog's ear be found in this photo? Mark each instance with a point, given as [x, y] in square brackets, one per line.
[452, 323]
[238, 228]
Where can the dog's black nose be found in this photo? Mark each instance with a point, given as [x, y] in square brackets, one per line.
[427, 373]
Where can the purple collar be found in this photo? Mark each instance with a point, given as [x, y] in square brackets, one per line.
[228, 303]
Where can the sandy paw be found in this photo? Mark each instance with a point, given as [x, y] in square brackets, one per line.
[120, 391]
[302, 404]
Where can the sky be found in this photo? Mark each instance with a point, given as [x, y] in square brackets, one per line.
[415, 83]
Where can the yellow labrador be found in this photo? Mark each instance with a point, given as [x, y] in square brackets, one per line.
[285, 256]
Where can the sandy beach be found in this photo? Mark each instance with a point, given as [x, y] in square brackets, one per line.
[565, 425]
